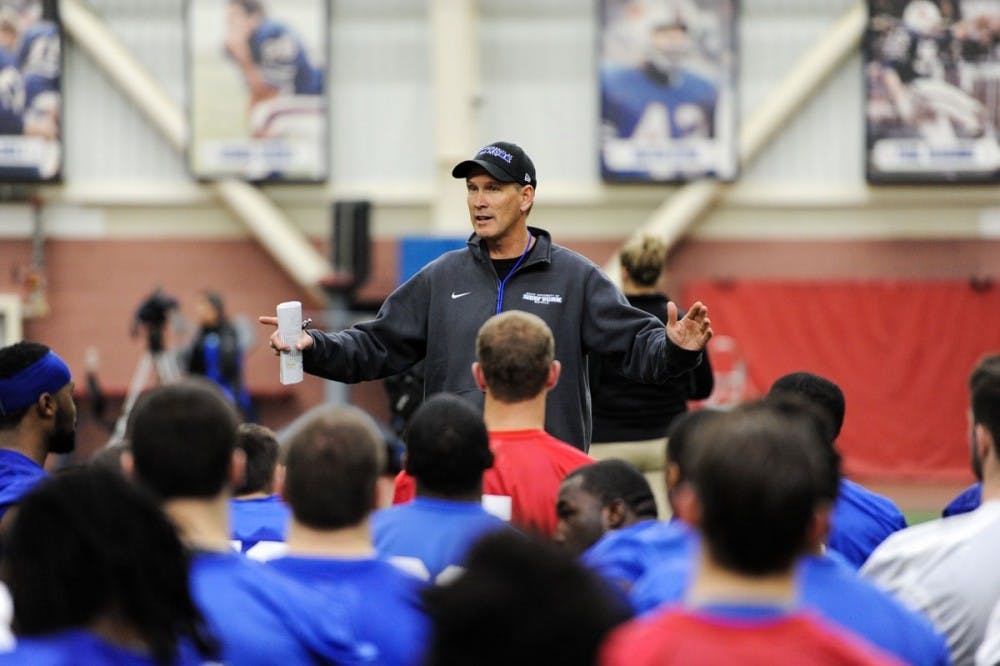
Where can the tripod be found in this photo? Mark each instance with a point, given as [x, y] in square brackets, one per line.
[156, 358]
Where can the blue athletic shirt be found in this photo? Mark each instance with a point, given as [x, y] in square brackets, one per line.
[861, 520]
[629, 93]
[427, 536]
[18, 475]
[622, 556]
[262, 617]
[283, 61]
[966, 501]
[382, 601]
[255, 520]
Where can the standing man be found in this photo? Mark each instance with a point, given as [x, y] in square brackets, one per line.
[515, 368]
[507, 265]
[37, 416]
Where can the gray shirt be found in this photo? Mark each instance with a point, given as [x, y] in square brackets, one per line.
[948, 569]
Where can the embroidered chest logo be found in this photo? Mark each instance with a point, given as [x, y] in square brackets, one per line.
[542, 299]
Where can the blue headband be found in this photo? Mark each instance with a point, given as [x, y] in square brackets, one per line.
[46, 375]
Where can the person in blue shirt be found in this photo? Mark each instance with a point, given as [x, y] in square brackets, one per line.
[825, 582]
[861, 519]
[447, 451]
[78, 561]
[258, 514]
[216, 352]
[184, 450]
[270, 55]
[37, 417]
[334, 458]
[608, 517]
[647, 107]
[964, 502]
[521, 600]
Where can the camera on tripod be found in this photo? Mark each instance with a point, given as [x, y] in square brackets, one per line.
[152, 315]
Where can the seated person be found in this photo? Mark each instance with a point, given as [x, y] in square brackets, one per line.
[334, 458]
[946, 567]
[607, 516]
[77, 561]
[861, 519]
[183, 449]
[756, 479]
[826, 583]
[447, 452]
[259, 516]
[37, 417]
[520, 601]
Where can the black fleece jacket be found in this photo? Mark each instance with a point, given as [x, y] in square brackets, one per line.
[437, 313]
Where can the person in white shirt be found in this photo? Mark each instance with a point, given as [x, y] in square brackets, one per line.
[947, 568]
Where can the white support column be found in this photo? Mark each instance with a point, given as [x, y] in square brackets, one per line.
[455, 65]
[268, 224]
[688, 204]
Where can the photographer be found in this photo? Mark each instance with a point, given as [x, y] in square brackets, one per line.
[216, 352]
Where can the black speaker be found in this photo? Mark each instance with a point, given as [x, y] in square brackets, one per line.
[350, 246]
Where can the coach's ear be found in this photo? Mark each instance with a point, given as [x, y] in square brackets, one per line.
[479, 376]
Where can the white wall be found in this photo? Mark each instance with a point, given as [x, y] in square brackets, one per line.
[536, 86]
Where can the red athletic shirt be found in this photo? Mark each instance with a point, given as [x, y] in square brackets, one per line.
[528, 466]
[679, 636]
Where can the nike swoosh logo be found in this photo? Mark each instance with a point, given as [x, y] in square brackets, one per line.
[464, 293]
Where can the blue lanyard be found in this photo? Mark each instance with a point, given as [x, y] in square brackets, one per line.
[503, 282]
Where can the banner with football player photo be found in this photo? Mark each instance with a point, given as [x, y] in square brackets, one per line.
[668, 90]
[30, 91]
[257, 89]
[932, 75]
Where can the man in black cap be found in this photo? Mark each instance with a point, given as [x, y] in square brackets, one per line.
[507, 265]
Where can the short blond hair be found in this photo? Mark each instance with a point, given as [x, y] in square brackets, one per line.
[644, 259]
[515, 351]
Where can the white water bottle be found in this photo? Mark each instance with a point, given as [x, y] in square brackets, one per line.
[290, 330]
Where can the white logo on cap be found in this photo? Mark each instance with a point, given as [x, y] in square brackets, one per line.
[496, 152]
[527, 177]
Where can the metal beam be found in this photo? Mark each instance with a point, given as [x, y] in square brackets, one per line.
[688, 204]
[265, 221]
[455, 67]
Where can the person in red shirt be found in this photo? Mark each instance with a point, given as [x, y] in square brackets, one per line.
[757, 474]
[515, 368]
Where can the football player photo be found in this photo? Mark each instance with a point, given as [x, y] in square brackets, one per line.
[258, 92]
[932, 76]
[667, 90]
[30, 92]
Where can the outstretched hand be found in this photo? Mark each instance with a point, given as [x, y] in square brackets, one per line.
[693, 331]
[278, 345]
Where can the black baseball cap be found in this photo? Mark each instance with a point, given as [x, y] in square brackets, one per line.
[506, 162]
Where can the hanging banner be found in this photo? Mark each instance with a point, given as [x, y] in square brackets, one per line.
[30, 92]
[667, 83]
[932, 75]
[257, 89]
